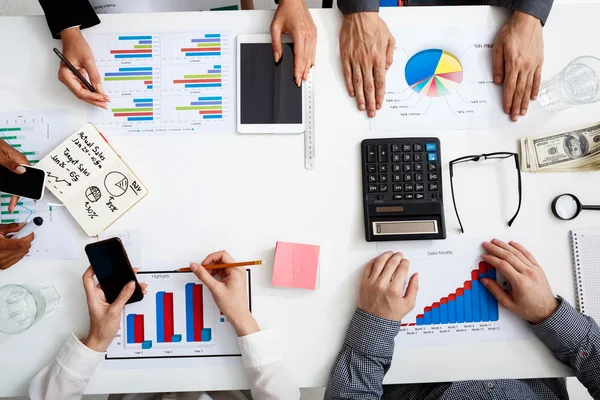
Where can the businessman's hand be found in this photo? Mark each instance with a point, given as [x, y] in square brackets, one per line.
[367, 51]
[12, 159]
[293, 17]
[13, 250]
[77, 50]
[382, 286]
[229, 291]
[531, 297]
[518, 61]
[105, 318]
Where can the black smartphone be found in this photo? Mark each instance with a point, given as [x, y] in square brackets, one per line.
[111, 265]
[29, 184]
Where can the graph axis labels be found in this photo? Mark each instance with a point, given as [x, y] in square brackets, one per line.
[434, 73]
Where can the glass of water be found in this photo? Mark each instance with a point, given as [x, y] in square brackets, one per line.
[577, 84]
[23, 305]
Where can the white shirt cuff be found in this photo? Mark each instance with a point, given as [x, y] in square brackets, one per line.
[79, 360]
[259, 349]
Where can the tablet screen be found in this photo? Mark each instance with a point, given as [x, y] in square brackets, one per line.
[269, 94]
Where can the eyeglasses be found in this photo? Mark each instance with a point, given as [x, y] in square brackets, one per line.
[491, 156]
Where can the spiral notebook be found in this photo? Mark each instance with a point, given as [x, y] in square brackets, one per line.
[586, 260]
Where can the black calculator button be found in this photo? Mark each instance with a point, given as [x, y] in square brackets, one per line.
[406, 147]
[397, 197]
[382, 167]
[419, 196]
[372, 179]
[418, 147]
[409, 196]
[406, 158]
[409, 187]
[396, 168]
[434, 196]
[408, 178]
[396, 158]
[371, 168]
[372, 189]
[380, 197]
[383, 178]
[419, 187]
[371, 153]
[382, 153]
[395, 148]
[418, 167]
[433, 187]
[407, 168]
[418, 177]
[432, 167]
[397, 178]
[417, 157]
[433, 176]
[397, 188]
[383, 188]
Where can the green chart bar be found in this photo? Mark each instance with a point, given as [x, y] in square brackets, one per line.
[192, 108]
[10, 129]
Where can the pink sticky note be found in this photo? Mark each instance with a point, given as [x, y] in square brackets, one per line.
[296, 265]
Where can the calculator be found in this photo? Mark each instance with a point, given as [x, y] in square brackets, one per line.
[402, 187]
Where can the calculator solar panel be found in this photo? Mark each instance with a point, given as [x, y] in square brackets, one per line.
[402, 187]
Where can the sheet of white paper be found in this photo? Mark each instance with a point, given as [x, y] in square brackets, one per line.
[147, 6]
[132, 241]
[181, 82]
[445, 269]
[422, 94]
[35, 133]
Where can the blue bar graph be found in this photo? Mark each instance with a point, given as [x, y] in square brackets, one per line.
[130, 329]
[126, 69]
[212, 35]
[150, 86]
[147, 344]
[203, 40]
[213, 71]
[160, 317]
[205, 54]
[189, 312]
[208, 98]
[460, 306]
[215, 116]
[492, 302]
[206, 335]
[199, 85]
[467, 301]
[427, 317]
[143, 100]
[144, 105]
[176, 338]
[145, 55]
[444, 311]
[435, 314]
[216, 66]
[475, 293]
[145, 42]
[451, 311]
[206, 103]
[146, 37]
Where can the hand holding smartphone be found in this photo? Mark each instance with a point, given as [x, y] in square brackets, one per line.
[111, 265]
[29, 184]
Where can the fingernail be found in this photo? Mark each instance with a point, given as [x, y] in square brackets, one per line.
[298, 82]
[131, 284]
[361, 107]
[515, 118]
[484, 282]
[276, 57]
[524, 112]
[534, 98]
[21, 169]
[371, 114]
[378, 106]
[498, 80]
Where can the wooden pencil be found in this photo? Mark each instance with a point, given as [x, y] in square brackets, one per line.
[219, 266]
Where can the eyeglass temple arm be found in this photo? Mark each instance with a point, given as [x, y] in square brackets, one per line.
[520, 191]
[454, 199]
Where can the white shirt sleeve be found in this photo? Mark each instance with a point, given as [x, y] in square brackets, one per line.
[268, 377]
[67, 376]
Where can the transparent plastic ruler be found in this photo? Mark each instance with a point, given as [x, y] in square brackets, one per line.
[309, 133]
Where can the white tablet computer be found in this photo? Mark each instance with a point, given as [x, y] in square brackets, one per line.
[268, 100]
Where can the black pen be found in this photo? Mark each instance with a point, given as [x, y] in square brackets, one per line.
[74, 70]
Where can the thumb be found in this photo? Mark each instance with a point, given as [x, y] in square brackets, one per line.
[503, 298]
[276, 40]
[206, 278]
[498, 63]
[94, 75]
[10, 228]
[412, 289]
[124, 296]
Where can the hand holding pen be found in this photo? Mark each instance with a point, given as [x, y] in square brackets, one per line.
[77, 61]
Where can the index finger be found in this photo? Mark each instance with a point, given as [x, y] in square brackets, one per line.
[504, 267]
[12, 203]
[218, 257]
[379, 73]
[510, 86]
[498, 251]
[299, 59]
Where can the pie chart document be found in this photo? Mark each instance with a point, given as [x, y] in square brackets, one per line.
[442, 78]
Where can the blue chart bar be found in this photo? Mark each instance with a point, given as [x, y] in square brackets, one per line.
[189, 312]
[427, 316]
[216, 66]
[176, 338]
[444, 311]
[205, 54]
[125, 69]
[198, 85]
[206, 335]
[492, 302]
[203, 40]
[460, 306]
[130, 329]
[467, 301]
[122, 74]
[144, 105]
[145, 41]
[420, 321]
[208, 98]
[143, 100]
[206, 103]
[160, 317]
[213, 71]
[212, 35]
[451, 309]
[148, 37]
[149, 86]
[435, 314]
[140, 118]
[216, 116]
[147, 344]
[146, 55]
[475, 293]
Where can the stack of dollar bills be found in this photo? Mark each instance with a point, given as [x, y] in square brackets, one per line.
[577, 150]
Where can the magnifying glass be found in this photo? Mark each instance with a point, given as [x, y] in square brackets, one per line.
[568, 207]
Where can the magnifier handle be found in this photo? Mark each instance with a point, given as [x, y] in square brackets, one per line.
[590, 208]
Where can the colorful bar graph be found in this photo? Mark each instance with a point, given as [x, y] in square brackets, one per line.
[141, 49]
[194, 314]
[142, 110]
[210, 107]
[470, 303]
[208, 46]
[211, 79]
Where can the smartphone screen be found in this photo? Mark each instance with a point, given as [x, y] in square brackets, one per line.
[29, 184]
[112, 268]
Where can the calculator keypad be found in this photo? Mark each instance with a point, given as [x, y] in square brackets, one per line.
[403, 172]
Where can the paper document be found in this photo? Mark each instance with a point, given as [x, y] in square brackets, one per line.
[442, 78]
[453, 307]
[296, 265]
[148, 6]
[180, 82]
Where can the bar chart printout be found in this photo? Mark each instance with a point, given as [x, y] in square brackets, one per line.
[453, 306]
[127, 112]
[177, 318]
[121, 49]
[129, 79]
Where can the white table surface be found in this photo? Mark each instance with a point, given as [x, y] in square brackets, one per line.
[244, 193]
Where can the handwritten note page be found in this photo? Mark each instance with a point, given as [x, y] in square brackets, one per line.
[95, 185]
[296, 265]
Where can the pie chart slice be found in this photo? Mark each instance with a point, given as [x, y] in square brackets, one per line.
[434, 73]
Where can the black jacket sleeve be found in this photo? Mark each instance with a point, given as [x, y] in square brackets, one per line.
[62, 14]
[538, 8]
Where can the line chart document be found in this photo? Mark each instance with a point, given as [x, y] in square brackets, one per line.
[165, 82]
[453, 306]
[442, 78]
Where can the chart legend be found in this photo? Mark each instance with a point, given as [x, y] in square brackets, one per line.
[434, 73]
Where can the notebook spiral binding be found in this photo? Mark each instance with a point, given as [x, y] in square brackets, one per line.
[577, 272]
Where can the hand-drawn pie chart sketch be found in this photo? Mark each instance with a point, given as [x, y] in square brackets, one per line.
[116, 183]
[93, 194]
